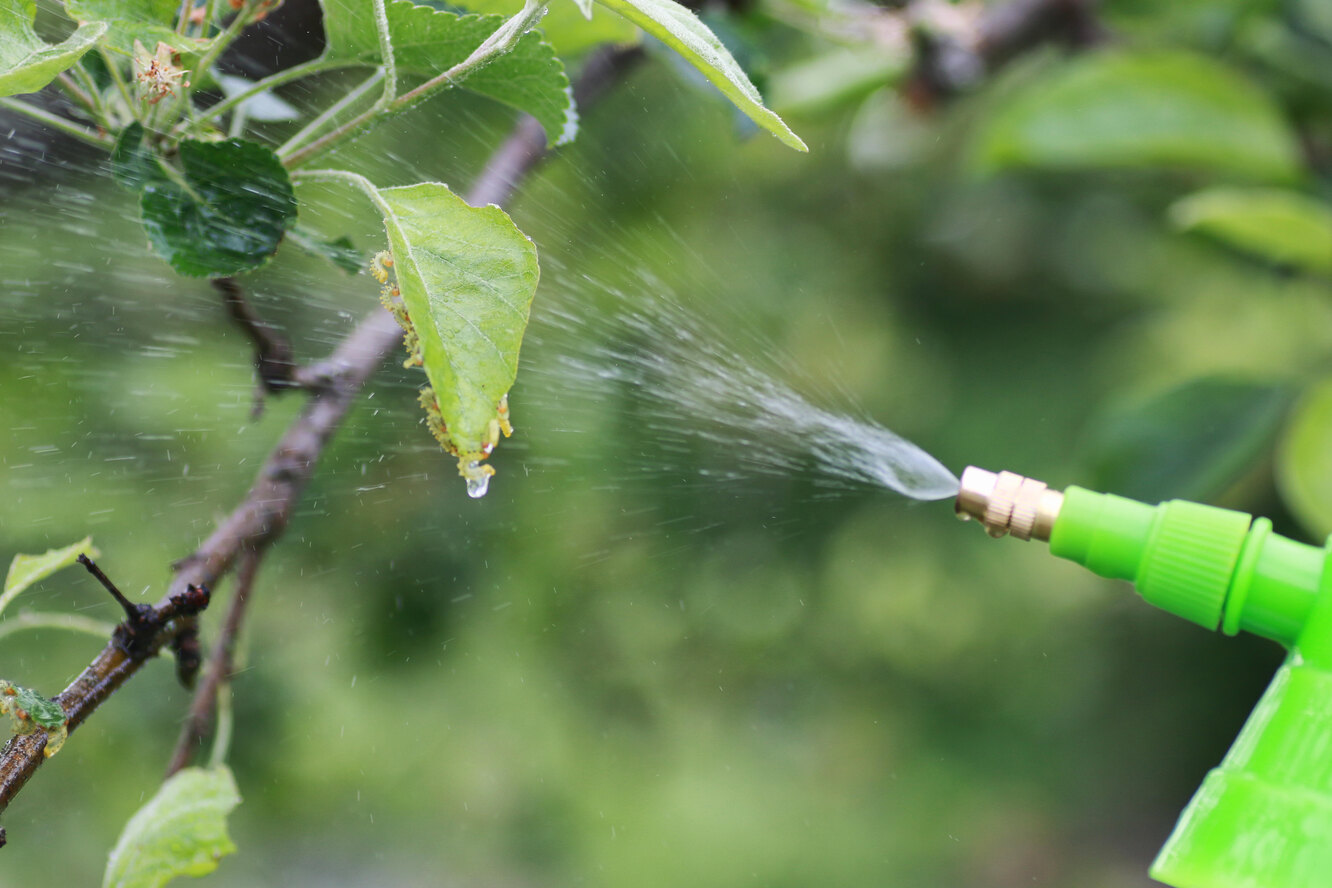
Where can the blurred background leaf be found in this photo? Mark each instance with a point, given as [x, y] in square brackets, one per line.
[1190, 442]
[1304, 469]
[1124, 108]
[1283, 227]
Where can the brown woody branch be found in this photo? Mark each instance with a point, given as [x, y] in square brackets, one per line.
[145, 630]
[260, 518]
[273, 359]
[221, 662]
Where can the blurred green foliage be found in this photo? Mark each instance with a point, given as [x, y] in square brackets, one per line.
[613, 678]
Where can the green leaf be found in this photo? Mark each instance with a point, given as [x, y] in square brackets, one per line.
[148, 21]
[467, 276]
[1304, 461]
[44, 712]
[681, 30]
[182, 831]
[132, 164]
[1278, 225]
[842, 75]
[427, 42]
[1189, 442]
[565, 27]
[27, 62]
[228, 212]
[25, 570]
[1140, 109]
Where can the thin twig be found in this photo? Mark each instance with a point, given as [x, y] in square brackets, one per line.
[137, 640]
[263, 514]
[273, 358]
[56, 122]
[220, 664]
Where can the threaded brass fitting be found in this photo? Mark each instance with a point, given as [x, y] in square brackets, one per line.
[1008, 503]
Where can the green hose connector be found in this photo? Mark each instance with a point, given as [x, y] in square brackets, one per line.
[1263, 818]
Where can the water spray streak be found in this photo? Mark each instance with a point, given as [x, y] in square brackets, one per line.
[690, 386]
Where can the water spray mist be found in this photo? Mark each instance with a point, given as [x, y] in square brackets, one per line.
[1263, 818]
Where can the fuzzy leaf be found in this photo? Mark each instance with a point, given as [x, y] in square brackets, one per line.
[682, 31]
[565, 27]
[148, 21]
[1278, 225]
[427, 42]
[182, 831]
[230, 214]
[467, 277]
[1140, 109]
[25, 570]
[27, 62]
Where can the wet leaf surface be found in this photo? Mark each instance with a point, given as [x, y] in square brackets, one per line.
[27, 62]
[427, 42]
[227, 216]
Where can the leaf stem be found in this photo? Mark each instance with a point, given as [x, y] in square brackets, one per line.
[113, 68]
[286, 75]
[225, 720]
[68, 127]
[183, 16]
[498, 43]
[215, 49]
[356, 179]
[75, 91]
[310, 129]
[386, 55]
[327, 141]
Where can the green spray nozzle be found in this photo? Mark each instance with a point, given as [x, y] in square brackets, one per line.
[1263, 818]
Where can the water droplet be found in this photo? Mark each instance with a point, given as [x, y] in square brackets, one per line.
[477, 484]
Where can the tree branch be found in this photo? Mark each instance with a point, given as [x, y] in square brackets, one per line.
[199, 722]
[145, 630]
[260, 518]
[273, 360]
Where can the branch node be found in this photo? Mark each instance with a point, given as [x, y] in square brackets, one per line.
[140, 635]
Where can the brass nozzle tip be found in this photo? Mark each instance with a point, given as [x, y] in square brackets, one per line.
[1008, 503]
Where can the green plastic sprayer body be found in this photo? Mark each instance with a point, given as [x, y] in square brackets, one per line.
[1263, 818]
